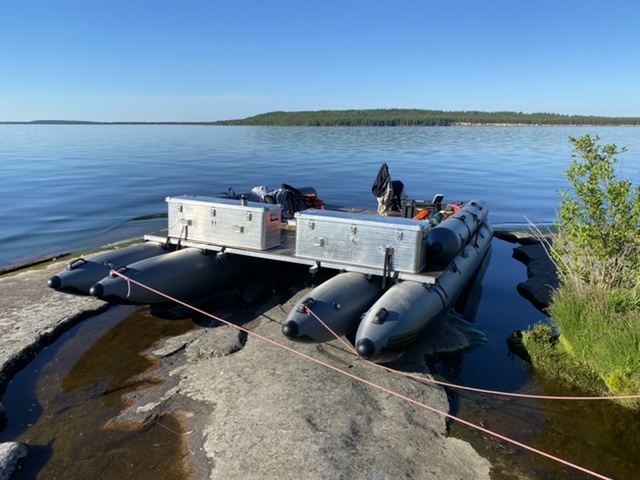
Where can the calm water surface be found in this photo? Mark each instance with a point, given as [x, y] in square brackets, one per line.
[70, 187]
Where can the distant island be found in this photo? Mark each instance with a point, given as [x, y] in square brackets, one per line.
[386, 118]
[421, 118]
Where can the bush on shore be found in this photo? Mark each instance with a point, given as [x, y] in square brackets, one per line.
[596, 249]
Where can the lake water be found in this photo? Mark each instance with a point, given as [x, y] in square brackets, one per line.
[71, 187]
[67, 187]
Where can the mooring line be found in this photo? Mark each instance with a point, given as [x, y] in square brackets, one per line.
[367, 382]
[170, 429]
[463, 387]
[346, 344]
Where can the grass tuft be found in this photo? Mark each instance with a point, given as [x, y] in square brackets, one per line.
[596, 341]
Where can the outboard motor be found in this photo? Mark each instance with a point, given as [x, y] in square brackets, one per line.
[398, 195]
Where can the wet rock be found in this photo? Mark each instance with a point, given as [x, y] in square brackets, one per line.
[291, 417]
[541, 272]
[12, 456]
[542, 276]
[452, 335]
[204, 344]
[34, 315]
[523, 234]
[253, 410]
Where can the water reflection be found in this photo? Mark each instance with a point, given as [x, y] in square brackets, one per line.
[600, 436]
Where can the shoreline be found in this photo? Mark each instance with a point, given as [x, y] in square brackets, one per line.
[230, 391]
[217, 123]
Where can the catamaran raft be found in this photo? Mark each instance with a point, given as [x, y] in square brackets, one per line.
[400, 269]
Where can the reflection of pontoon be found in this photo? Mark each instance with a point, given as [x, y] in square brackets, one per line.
[399, 272]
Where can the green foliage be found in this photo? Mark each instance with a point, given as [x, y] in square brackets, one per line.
[596, 248]
[598, 238]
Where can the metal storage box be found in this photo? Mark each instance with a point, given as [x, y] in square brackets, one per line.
[361, 239]
[223, 221]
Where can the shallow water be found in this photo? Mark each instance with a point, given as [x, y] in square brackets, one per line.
[600, 436]
[61, 405]
[589, 434]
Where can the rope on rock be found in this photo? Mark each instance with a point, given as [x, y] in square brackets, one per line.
[471, 389]
[364, 381]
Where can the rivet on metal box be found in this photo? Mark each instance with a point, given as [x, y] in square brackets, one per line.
[225, 222]
[361, 239]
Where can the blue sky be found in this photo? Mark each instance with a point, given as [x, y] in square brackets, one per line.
[188, 60]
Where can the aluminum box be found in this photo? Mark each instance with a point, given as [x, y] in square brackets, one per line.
[225, 222]
[361, 239]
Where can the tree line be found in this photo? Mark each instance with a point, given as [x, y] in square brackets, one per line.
[387, 118]
[417, 117]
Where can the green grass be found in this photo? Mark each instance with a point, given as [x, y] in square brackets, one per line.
[601, 328]
[593, 340]
[597, 343]
[548, 352]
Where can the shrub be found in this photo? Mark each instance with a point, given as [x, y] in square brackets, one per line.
[596, 247]
[598, 239]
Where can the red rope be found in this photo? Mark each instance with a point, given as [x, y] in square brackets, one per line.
[366, 382]
[469, 389]
[346, 344]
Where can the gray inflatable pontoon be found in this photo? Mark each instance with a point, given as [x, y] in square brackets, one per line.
[408, 308]
[339, 303]
[82, 273]
[182, 274]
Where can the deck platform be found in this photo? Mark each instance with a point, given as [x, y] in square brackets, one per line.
[286, 252]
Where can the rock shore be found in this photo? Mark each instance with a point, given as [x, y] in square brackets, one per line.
[33, 316]
[542, 278]
[254, 410]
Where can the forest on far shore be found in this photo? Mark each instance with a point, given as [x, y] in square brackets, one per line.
[384, 118]
[426, 118]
